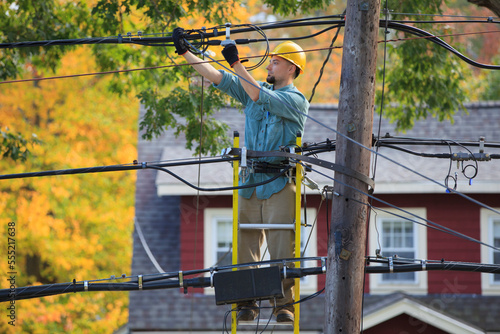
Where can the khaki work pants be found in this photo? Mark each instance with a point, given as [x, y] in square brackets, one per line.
[279, 208]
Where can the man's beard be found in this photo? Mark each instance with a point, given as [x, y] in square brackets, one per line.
[271, 79]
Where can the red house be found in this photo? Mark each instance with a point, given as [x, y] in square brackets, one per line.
[181, 229]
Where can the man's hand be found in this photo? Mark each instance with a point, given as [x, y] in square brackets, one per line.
[230, 53]
[179, 42]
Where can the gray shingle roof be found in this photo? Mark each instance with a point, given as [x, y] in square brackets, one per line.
[482, 120]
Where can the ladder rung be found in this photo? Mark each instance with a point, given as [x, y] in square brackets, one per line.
[267, 226]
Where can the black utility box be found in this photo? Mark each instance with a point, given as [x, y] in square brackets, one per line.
[247, 285]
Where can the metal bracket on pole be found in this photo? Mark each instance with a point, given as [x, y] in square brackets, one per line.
[228, 39]
[244, 167]
[212, 277]
[290, 174]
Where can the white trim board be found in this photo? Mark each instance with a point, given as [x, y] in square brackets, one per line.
[422, 313]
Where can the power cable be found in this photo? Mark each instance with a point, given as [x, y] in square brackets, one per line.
[494, 67]
[173, 280]
[445, 15]
[142, 282]
[286, 169]
[434, 225]
[325, 62]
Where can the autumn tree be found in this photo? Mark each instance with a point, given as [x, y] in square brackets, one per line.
[69, 227]
[415, 69]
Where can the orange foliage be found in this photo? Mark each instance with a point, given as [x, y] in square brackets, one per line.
[75, 226]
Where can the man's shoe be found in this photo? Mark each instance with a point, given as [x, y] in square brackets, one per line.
[284, 315]
[247, 312]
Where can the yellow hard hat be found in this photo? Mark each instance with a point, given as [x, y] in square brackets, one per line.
[291, 52]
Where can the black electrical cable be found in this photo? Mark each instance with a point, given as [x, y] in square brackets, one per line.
[140, 40]
[440, 42]
[444, 15]
[149, 42]
[434, 225]
[112, 168]
[396, 140]
[159, 283]
[420, 154]
[325, 62]
[399, 265]
[287, 168]
[490, 269]
[267, 50]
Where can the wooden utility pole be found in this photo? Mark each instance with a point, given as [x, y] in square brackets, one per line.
[347, 242]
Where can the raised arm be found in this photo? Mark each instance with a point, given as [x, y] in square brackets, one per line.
[204, 69]
[250, 85]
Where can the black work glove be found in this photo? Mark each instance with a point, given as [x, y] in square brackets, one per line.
[179, 42]
[230, 53]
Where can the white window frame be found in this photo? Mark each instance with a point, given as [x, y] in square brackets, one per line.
[309, 284]
[487, 218]
[420, 285]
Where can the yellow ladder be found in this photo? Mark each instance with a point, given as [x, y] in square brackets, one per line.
[297, 227]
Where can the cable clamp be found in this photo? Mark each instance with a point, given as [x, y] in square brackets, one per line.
[225, 152]
[144, 164]
[120, 38]
[311, 184]
[284, 272]
[211, 277]
[424, 265]
[391, 264]
[323, 264]
[290, 174]
[181, 279]
[228, 39]
[139, 281]
[86, 285]
[244, 166]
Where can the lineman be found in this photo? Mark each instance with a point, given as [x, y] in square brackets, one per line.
[271, 122]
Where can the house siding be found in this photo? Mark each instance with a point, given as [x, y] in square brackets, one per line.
[447, 210]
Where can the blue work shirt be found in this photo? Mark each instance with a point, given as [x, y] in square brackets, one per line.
[270, 122]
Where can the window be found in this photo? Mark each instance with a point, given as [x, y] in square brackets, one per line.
[218, 229]
[398, 236]
[398, 239]
[490, 234]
